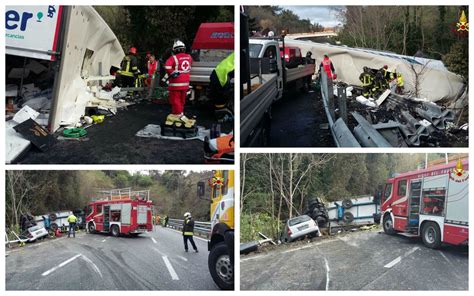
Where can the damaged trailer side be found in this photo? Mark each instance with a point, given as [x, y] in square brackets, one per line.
[434, 83]
[89, 49]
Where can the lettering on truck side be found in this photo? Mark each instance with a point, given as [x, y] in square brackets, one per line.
[12, 18]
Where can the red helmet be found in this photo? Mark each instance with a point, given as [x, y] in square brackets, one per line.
[385, 67]
[132, 50]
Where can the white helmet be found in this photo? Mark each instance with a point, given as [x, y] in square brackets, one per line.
[178, 44]
[187, 215]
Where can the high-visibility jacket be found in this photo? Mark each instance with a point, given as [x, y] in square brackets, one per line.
[72, 219]
[224, 68]
[180, 63]
[328, 67]
[400, 81]
[129, 66]
[188, 226]
[386, 74]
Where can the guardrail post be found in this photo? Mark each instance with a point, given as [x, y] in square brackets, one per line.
[330, 97]
[342, 102]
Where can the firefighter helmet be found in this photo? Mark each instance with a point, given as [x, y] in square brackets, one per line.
[385, 67]
[187, 214]
[178, 45]
[132, 50]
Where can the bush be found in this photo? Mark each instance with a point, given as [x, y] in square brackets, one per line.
[252, 224]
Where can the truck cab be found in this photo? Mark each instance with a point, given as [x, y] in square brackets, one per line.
[221, 243]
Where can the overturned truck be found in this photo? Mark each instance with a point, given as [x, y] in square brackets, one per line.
[428, 113]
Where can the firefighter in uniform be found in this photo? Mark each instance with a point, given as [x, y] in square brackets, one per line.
[188, 231]
[178, 68]
[367, 79]
[128, 69]
[327, 66]
[221, 90]
[400, 83]
[72, 220]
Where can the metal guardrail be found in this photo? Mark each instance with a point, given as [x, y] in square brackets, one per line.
[201, 228]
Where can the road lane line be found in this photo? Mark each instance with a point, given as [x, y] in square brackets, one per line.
[297, 249]
[399, 258]
[253, 257]
[93, 265]
[153, 239]
[393, 262]
[182, 258]
[327, 272]
[60, 265]
[171, 270]
[104, 240]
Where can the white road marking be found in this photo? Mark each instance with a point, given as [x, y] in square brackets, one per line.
[399, 258]
[153, 239]
[182, 258]
[297, 249]
[173, 274]
[60, 265]
[160, 252]
[395, 261]
[253, 257]
[327, 273]
[93, 265]
[104, 240]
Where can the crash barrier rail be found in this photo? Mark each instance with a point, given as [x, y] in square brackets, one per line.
[201, 228]
[339, 130]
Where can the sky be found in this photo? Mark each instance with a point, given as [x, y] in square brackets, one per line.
[316, 14]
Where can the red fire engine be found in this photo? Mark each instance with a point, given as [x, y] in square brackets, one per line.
[431, 203]
[120, 211]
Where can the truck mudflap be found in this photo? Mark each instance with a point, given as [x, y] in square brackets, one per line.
[229, 241]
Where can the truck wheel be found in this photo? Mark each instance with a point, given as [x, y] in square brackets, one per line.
[53, 217]
[220, 267]
[347, 204]
[431, 235]
[54, 227]
[115, 230]
[91, 227]
[348, 217]
[388, 225]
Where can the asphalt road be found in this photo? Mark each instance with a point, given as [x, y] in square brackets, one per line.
[297, 120]
[152, 261]
[358, 261]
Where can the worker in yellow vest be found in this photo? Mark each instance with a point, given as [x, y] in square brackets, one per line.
[188, 231]
[72, 220]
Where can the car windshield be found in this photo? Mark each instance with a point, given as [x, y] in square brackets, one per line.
[254, 50]
[298, 220]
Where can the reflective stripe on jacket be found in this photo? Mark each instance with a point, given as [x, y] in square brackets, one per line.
[188, 226]
[129, 66]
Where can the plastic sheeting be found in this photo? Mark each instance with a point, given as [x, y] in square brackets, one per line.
[88, 41]
[435, 84]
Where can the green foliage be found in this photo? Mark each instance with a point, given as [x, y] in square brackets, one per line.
[457, 59]
[251, 225]
[39, 192]
[154, 28]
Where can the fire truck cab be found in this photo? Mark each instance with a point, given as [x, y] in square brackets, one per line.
[120, 211]
[431, 203]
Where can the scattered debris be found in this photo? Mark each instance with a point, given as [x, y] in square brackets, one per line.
[154, 131]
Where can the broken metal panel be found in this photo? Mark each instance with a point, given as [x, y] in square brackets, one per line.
[435, 84]
[434, 114]
[88, 43]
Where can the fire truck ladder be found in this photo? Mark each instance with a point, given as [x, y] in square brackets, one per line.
[122, 193]
[107, 218]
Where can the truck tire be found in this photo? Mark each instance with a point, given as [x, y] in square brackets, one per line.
[54, 227]
[347, 204]
[91, 227]
[220, 267]
[388, 225]
[114, 230]
[53, 217]
[348, 217]
[431, 235]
